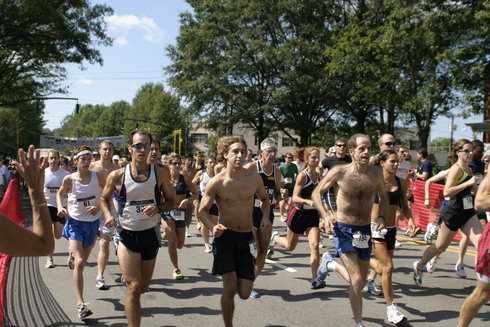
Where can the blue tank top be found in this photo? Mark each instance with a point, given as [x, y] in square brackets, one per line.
[309, 185]
[268, 180]
[180, 186]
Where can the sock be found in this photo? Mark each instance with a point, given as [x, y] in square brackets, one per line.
[331, 266]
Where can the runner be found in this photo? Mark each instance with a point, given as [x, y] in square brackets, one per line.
[289, 172]
[384, 239]
[189, 171]
[53, 177]
[304, 218]
[83, 190]
[104, 167]
[271, 177]
[459, 212]
[355, 185]
[140, 187]
[201, 179]
[481, 294]
[174, 221]
[234, 244]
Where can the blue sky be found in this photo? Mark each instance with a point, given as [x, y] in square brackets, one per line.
[141, 31]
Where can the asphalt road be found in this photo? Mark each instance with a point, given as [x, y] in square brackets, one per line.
[286, 300]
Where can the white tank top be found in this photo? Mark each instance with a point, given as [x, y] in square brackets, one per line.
[204, 182]
[134, 196]
[82, 196]
[52, 184]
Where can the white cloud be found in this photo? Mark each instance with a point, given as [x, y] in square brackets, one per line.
[121, 41]
[153, 33]
[85, 81]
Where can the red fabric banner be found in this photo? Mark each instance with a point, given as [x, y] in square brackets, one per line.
[12, 208]
[421, 214]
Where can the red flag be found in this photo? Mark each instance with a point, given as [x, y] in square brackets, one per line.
[12, 208]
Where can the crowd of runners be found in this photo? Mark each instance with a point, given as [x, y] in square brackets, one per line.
[350, 196]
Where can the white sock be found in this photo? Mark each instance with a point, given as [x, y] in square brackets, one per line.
[331, 265]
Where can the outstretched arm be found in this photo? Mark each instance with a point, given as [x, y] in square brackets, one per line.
[18, 241]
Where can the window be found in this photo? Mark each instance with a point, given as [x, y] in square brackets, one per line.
[287, 141]
[199, 137]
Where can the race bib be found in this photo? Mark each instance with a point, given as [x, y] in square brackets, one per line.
[288, 180]
[136, 208]
[178, 214]
[467, 202]
[360, 240]
[253, 248]
[378, 233]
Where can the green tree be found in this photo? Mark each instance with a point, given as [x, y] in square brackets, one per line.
[17, 131]
[157, 111]
[256, 62]
[38, 37]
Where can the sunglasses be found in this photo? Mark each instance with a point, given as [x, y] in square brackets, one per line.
[341, 145]
[466, 150]
[140, 146]
[176, 163]
[390, 143]
[289, 157]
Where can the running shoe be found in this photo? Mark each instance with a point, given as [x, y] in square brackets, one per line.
[254, 294]
[100, 283]
[272, 242]
[83, 311]
[270, 253]
[415, 232]
[187, 234]
[317, 284]
[431, 233]
[371, 287]
[71, 261]
[460, 270]
[284, 218]
[431, 265]
[177, 274]
[198, 226]
[323, 269]
[417, 273]
[164, 236]
[49, 263]
[395, 316]
[397, 244]
[208, 248]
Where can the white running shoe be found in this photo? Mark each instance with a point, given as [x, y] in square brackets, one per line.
[187, 234]
[284, 218]
[272, 242]
[418, 273]
[394, 316]
[460, 270]
[431, 265]
[49, 263]
[208, 248]
[371, 287]
[100, 283]
[83, 311]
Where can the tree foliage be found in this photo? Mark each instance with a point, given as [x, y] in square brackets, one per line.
[152, 109]
[345, 66]
[37, 37]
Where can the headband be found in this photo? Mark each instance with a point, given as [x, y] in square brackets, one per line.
[81, 153]
[267, 146]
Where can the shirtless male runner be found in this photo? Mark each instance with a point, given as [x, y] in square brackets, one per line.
[234, 244]
[142, 190]
[354, 186]
[104, 167]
